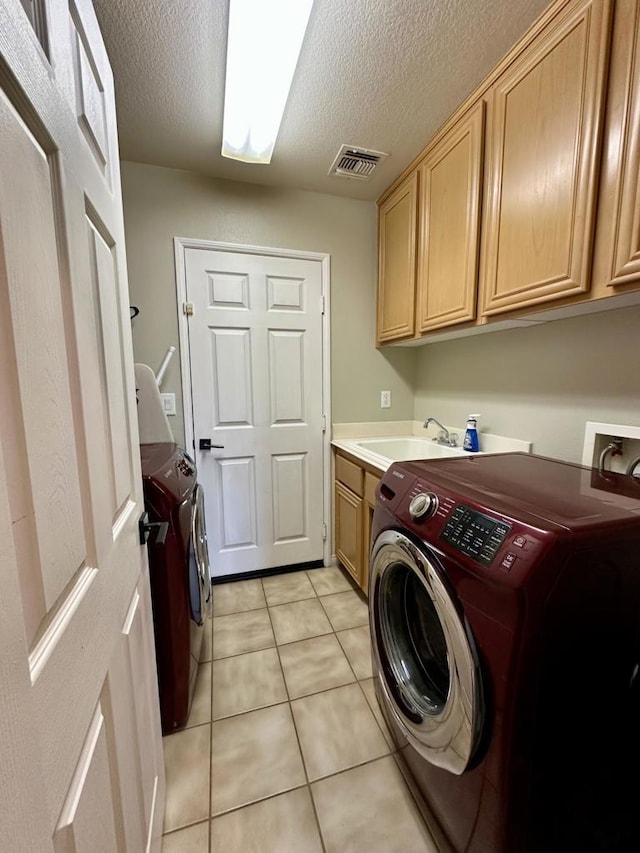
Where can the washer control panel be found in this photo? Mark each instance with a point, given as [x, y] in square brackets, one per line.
[475, 534]
[423, 505]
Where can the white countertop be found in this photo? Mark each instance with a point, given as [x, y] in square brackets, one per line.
[398, 448]
[380, 444]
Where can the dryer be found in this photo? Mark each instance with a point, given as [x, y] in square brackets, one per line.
[504, 601]
[180, 575]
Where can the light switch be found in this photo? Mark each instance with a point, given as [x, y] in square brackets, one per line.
[168, 403]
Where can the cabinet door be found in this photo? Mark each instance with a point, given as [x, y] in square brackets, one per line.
[545, 117]
[371, 483]
[450, 191]
[348, 509]
[397, 223]
[619, 210]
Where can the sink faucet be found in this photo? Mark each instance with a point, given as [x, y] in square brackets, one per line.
[444, 436]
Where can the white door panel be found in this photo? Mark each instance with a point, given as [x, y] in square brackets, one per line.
[84, 729]
[255, 341]
[232, 377]
[289, 479]
[87, 821]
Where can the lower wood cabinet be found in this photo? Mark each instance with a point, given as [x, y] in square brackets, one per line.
[354, 503]
[349, 530]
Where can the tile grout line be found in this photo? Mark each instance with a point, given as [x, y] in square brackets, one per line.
[282, 702]
[247, 651]
[185, 826]
[289, 701]
[268, 606]
[187, 727]
[304, 785]
[392, 746]
[295, 728]
[358, 681]
[237, 612]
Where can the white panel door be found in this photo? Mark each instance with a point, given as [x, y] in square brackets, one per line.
[81, 751]
[255, 339]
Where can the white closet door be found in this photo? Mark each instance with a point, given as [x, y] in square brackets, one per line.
[255, 339]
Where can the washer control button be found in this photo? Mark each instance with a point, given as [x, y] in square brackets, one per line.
[520, 541]
[423, 504]
[508, 561]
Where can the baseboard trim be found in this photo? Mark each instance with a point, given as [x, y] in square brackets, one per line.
[265, 573]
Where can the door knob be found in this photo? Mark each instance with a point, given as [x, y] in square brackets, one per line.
[157, 530]
[205, 444]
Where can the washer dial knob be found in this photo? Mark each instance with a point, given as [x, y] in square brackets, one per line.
[423, 504]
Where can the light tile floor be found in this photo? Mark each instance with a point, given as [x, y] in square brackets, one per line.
[286, 750]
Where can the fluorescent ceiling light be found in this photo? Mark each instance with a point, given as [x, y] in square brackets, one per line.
[265, 37]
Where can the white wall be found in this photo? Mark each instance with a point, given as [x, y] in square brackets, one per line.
[160, 204]
[540, 383]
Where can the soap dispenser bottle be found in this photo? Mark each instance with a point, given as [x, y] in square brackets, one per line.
[471, 435]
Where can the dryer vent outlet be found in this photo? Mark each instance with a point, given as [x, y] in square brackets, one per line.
[359, 163]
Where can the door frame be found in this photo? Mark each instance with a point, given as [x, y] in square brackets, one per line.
[180, 245]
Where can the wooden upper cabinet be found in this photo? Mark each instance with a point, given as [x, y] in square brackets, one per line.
[450, 179]
[397, 220]
[617, 259]
[544, 127]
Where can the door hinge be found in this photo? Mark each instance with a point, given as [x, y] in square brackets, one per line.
[323, 303]
[324, 531]
[187, 308]
[324, 423]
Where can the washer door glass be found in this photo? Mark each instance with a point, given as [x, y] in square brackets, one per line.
[424, 653]
[414, 641]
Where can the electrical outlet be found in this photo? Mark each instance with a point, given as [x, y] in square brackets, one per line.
[385, 399]
[168, 403]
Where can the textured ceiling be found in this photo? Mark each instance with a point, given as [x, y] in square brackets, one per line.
[382, 74]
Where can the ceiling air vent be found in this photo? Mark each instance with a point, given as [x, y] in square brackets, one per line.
[357, 163]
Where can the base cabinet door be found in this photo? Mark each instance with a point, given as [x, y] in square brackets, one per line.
[544, 126]
[348, 530]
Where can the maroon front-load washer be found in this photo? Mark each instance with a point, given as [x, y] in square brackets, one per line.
[504, 600]
[179, 573]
